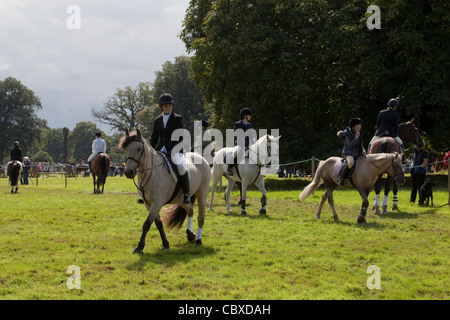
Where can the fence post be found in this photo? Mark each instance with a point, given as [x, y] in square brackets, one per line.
[313, 169]
[448, 173]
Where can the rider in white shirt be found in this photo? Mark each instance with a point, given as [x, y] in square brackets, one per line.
[98, 146]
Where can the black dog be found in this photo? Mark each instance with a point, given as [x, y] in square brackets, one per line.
[426, 192]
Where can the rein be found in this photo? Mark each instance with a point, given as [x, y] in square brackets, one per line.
[392, 165]
[142, 186]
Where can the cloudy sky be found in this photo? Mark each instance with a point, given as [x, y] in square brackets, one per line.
[74, 54]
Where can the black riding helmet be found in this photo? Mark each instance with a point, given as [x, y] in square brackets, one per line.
[393, 103]
[354, 121]
[165, 98]
[245, 112]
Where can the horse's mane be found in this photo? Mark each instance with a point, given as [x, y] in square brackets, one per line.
[378, 156]
[126, 140]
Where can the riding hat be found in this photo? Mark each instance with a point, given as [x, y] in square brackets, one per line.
[393, 103]
[166, 98]
[354, 121]
[16, 143]
[205, 124]
[98, 134]
[245, 112]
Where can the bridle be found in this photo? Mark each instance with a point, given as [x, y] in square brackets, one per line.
[396, 173]
[142, 185]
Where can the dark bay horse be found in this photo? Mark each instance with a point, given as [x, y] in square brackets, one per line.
[408, 132]
[14, 172]
[100, 168]
[369, 168]
[157, 187]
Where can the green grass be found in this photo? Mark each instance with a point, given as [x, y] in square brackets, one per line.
[287, 254]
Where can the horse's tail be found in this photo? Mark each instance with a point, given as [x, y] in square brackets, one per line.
[317, 181]
[175, 215]
[103, 166]
[13, 173]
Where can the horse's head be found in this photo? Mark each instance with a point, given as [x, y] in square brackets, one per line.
[133, 144]
[397, 168]
[265, 147]
[407, 131]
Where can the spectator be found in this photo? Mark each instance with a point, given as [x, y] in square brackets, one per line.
[418, 171]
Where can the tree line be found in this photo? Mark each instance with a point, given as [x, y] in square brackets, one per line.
[128, 108]
[304, 67]
[307, 67]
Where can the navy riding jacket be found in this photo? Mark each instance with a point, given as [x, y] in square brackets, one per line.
[244, 126]
[387, 123]
[352, 146]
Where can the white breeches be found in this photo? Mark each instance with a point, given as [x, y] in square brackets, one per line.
[180, 161]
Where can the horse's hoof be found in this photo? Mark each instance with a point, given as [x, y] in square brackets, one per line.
[198, 242]
[165, 247]
[190, 236]
[395, 208]
[336, 219]
[138, 251]
[262, 211]
[362, 219]
[243, 212]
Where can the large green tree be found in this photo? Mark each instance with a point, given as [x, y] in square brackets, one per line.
[18, 117]
[307, 67]
[176, 79]
[80, 139]
[120, 111]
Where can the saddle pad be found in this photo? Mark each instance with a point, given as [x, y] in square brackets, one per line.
[169, 167]
[338, 166]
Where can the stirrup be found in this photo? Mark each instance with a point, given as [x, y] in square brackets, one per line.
[341, 182]
[187, 198]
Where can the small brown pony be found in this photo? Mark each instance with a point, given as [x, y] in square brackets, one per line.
[14, 172]
[408, 132]
[100, 168]
[369, 168]
[157, 188]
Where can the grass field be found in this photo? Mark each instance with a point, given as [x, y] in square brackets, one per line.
[287, 254]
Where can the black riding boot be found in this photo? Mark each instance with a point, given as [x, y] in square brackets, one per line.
[343, 174]
[184, 179]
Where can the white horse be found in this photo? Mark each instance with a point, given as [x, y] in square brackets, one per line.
[247, 173]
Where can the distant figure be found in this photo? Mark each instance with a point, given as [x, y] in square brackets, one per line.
[98, 146]
[16, 152]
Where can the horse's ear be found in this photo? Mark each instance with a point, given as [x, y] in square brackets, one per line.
[127, 132]
[412, 120]
[138, 134]
[277, 138]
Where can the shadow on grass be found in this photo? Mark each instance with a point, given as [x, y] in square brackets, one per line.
[178, 253]
[399, 215]
[368, 225]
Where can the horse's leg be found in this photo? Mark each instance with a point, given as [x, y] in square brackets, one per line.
[322, 202]
[160, 227]
[230, 186]
[387, 188]
[331, 202]
[201, 219]
[244, 196]
[216, 176]
[260, 184]
[395, 199]
[93, 176]
[190, 224]
[154, 212]
[376, 205]
[365, 204]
